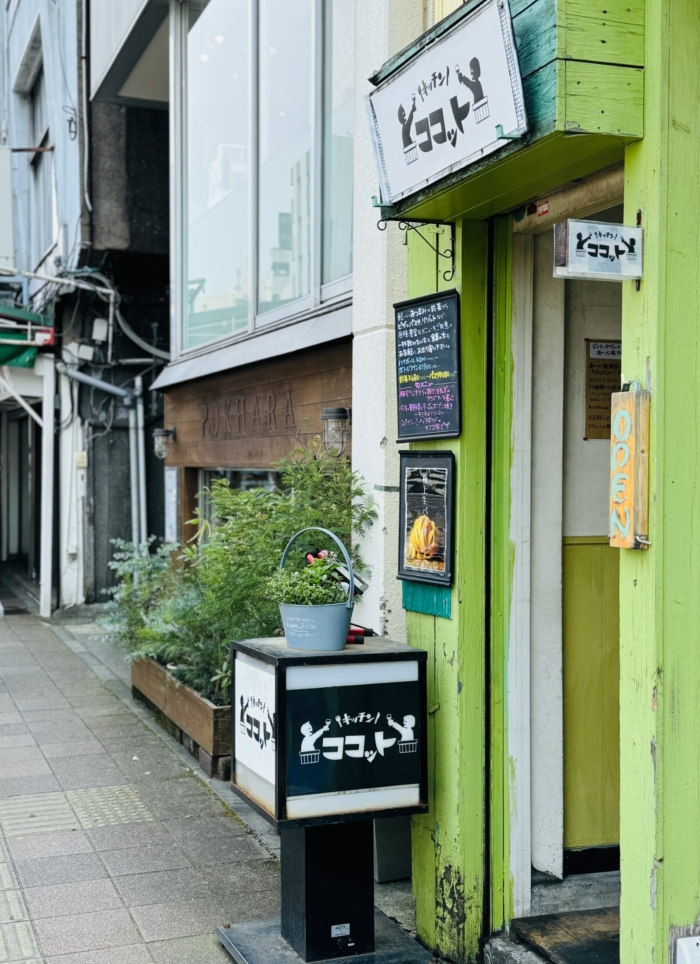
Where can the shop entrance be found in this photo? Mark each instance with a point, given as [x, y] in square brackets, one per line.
[573, 610]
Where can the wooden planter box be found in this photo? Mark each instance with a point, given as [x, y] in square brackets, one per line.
[203, 728]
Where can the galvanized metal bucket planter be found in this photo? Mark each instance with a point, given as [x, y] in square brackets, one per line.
[318, 627]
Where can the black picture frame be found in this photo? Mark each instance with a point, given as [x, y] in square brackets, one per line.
[426, 487]
[446, 373]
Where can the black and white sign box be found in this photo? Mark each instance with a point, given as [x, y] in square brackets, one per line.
[323, 736]
[598, 251]
[458, 100]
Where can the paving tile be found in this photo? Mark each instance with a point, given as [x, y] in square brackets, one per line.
[12, 907]
[213, 841]
[45, 871]
[103, 777]
[17, 943]
[86, 932]
[59, 732]
[184, 918]
[15, 727]
[102, 711]
[36, 813]
[87, 763]
[53, 751]
[240, 907]
[21, 740]
[10, 718]
[19, 786]
[49, 845]
[41, 703]
[79, 897]
[25, 768]
[60, 714]
[142, 860]
[130, 954]
[128, 836]
[108, 806]
[161, 887]
[8, 881]
[242, 877]
[205, 949]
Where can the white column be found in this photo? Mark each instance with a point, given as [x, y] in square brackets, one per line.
[379, 280]
[47, 484]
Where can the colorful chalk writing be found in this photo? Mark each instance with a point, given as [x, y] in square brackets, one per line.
[427, 367]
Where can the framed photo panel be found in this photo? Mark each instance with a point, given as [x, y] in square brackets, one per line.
[426, 534]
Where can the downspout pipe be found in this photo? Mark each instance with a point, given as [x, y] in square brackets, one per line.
[141, 436]
[133, 401]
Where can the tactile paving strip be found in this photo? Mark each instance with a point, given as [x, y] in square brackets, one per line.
[37, 813]
[107, 806]
[17, 943]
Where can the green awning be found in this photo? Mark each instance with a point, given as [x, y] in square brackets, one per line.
[20, 356]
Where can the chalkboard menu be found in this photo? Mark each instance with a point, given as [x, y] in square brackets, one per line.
[427, 367]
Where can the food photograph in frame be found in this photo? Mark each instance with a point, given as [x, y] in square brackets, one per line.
[426, 534]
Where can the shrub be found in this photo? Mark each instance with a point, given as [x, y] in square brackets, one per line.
[315, 585]
[184, 613]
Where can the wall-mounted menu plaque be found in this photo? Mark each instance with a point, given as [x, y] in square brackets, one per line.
[427, 367]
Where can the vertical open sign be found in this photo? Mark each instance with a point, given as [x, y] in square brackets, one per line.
[629, 470]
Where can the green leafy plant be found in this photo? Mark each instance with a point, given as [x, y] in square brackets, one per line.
[318, 584]
[182, 609]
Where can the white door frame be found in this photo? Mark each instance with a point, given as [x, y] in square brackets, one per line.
[601, 191]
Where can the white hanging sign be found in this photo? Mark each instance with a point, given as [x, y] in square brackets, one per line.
[598, 251]
[450, 106]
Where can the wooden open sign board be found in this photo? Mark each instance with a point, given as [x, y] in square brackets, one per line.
[629, 470]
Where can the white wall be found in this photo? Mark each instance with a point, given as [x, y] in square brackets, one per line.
[593, 310]
[379, 280]
[110, 24]
[57, 27]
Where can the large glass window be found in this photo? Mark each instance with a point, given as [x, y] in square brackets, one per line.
[285, 131]
[218, 159]
[338, 130]
[289, 164]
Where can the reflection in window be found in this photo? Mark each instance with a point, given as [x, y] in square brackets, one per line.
[243, 479]
[339, 29]
[286, 109]
[218, 158]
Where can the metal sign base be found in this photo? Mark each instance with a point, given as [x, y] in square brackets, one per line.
[260, 942]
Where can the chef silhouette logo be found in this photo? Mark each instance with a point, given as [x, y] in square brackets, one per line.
[308, 752]
[408, 742]
[410, 149]
[474, 85]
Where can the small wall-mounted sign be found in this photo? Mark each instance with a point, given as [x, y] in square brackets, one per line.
[458, 100]
[603, 357]
[598, 251]
[629, 470]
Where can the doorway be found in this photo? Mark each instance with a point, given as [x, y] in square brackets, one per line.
[564, 613]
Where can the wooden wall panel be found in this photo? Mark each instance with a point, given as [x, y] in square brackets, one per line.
[254, 416]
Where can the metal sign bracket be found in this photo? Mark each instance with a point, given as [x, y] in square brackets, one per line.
[406, 225]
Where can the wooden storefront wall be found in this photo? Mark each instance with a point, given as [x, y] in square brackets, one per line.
[250, 418]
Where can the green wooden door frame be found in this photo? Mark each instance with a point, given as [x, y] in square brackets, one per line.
[449, 847]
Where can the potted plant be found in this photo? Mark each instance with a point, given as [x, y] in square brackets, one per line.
[315, 603]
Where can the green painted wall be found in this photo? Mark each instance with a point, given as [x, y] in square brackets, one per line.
[448, 843]
[659, 594]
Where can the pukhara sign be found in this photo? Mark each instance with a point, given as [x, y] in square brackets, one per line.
[458, 100]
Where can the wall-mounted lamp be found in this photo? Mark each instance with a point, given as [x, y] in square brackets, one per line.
[335, 422]
[161, 441]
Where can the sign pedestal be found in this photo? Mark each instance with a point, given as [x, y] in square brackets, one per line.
[260, 942]
[325, 742]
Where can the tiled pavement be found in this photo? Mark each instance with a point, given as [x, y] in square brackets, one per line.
[112, 851]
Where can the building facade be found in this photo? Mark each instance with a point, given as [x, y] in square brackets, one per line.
[562, 692]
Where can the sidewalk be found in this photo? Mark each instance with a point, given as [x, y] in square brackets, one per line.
[113, 849]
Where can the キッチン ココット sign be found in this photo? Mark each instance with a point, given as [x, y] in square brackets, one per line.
[458, 100]
[598, 251]
[427, 367]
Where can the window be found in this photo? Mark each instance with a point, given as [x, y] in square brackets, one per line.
[263, 196]
[41, 198]
[243, 479]
[218, 157]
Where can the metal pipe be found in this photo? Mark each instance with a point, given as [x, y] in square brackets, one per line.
[47, 489]
[18, 398]
[141, 434]
[95, 382]
[134, 467]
